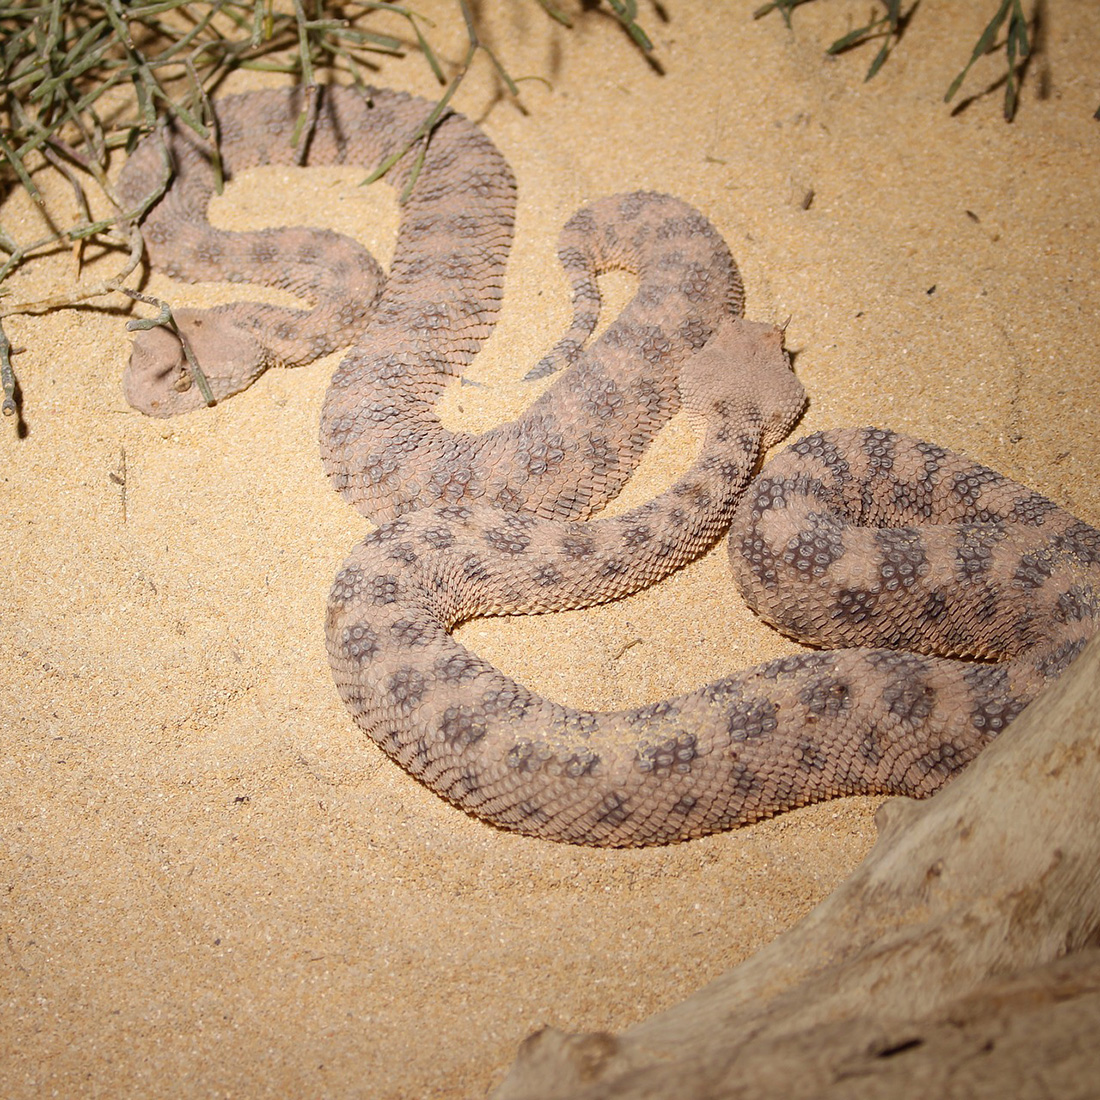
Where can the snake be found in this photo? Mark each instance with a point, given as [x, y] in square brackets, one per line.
[938, 596]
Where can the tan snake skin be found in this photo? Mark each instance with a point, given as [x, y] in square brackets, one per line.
[888, 548]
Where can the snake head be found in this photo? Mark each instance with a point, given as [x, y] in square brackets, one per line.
[159, 381]
[744, 372]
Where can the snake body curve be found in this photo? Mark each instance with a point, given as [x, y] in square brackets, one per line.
[901, 556]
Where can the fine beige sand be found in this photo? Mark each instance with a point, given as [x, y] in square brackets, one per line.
[210, 883]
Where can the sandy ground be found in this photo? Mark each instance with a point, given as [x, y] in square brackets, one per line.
[209, 884]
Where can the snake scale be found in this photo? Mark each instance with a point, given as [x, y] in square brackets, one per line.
[898, 557]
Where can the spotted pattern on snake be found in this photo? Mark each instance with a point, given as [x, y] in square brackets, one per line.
[947, 596]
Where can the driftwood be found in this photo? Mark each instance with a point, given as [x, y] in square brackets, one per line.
[960, 959]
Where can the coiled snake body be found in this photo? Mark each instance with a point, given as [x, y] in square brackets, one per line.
[898, 555]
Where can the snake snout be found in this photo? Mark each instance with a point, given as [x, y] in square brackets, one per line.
[156, 381]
